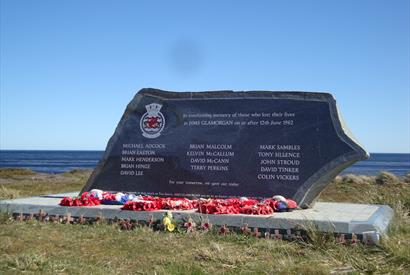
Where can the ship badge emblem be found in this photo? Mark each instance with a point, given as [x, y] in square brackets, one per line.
[152, 122]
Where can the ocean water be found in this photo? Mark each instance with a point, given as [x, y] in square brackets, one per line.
[63, 161]
[398, 164]
[50, 161]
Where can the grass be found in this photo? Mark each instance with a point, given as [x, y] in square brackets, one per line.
[15, 183]
[50, 248]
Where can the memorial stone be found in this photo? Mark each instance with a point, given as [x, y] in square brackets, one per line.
[227, 144]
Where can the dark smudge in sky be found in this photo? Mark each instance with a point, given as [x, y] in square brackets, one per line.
[185, 57]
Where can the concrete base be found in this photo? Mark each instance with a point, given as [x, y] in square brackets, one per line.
[339, 218]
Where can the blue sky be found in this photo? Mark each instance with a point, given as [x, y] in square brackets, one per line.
[68, 68]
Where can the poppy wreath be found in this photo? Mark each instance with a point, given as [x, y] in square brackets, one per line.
[207, 206]
[86, 199]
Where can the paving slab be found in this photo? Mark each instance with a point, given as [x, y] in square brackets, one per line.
[341, 218]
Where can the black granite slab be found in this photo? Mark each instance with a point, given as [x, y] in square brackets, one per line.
[225, 143]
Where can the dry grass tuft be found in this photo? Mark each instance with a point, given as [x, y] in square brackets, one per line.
[407, 178]
[8, 193]
[387, 178]
[13, 172]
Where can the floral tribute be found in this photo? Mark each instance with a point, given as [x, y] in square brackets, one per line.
[207, 206]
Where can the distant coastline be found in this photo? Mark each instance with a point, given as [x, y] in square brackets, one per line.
[60, 161]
